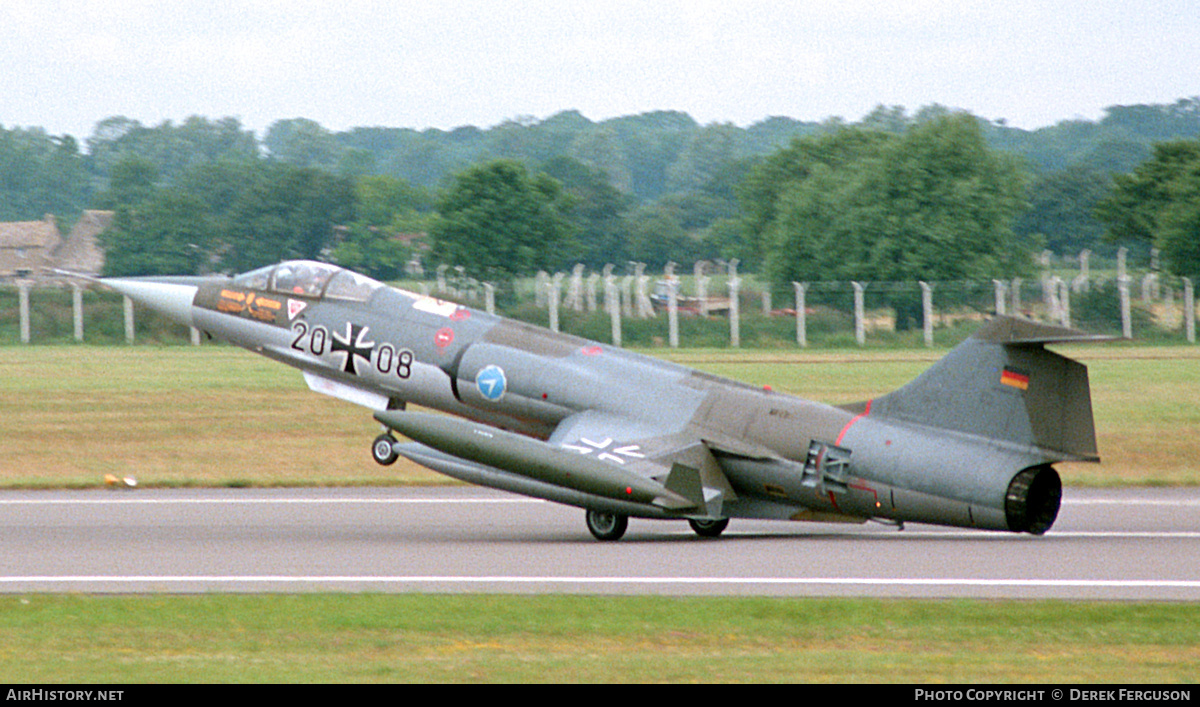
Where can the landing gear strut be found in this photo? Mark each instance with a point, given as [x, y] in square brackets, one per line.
[381, 450]
[606, 526]
[708, 528]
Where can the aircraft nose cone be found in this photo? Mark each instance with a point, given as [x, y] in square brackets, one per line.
[170, 298]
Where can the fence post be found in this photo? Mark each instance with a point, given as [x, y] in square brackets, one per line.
[1150, 288]
[1065, 302]
[1050, 287]
[1189, 310]
[1126, 323]
[735, 324]
[128, 320]
[801, 314]
[458, 282]
[539, 288]
[612, 301]
[1081, 283]
[23, 304]
[645, 310]
[552, 291]
[927, 311]
[77, 309]
[1001, 297]
[673, 313]
[575, 289]
[591, 291]
[860, 333]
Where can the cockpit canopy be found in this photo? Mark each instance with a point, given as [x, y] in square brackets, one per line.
[308, 278]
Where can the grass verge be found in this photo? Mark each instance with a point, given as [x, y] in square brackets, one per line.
[219, 416]
[454, 638]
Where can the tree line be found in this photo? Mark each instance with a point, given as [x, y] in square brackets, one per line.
[936, 192]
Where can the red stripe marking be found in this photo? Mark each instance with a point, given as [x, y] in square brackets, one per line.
[853, 420]
[868, 489]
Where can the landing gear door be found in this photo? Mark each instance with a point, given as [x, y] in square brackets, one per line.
[827, 466]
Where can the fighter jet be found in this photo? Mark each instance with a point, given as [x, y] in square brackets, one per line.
[971, 442]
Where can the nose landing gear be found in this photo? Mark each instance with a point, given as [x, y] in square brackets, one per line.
[382, 451]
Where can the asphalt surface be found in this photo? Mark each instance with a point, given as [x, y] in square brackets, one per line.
[1128, 544]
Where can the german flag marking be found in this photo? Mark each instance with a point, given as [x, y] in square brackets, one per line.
[1014, 377]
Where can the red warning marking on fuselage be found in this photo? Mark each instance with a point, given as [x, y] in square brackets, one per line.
[850, 424]
[868, 489]
[591, 350]
[444, 337]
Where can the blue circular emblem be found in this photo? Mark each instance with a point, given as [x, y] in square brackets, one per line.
[491, 383]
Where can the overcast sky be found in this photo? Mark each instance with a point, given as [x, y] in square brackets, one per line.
[66, 65]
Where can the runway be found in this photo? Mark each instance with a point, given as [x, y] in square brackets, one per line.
[1128, 544]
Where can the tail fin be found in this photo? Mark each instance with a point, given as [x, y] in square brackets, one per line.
[1003, 384]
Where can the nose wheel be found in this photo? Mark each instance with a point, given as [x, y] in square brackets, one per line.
[606, 526]
[382, 451]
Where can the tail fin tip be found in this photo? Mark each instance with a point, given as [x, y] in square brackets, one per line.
[1017, 331]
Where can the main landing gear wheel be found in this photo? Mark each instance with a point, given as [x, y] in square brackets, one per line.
[381, 450]
[708, 528]
[607, 526]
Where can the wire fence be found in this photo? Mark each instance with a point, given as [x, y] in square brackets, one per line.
[841, 314]
[717, 312]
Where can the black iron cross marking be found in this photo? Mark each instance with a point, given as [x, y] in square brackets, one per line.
[352, 345]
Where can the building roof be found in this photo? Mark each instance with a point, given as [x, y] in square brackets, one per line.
[26, 246]
[80, 252]
[30, 248]
[30, 234]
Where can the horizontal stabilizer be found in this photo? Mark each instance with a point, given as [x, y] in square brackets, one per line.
[1016, 331]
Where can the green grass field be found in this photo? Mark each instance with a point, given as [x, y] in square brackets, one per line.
[220, 416]
[454, 638]
[216, 415]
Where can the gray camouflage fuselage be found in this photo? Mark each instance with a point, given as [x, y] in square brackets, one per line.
[969, 443]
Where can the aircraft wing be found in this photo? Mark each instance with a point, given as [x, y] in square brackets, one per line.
[680, 460]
